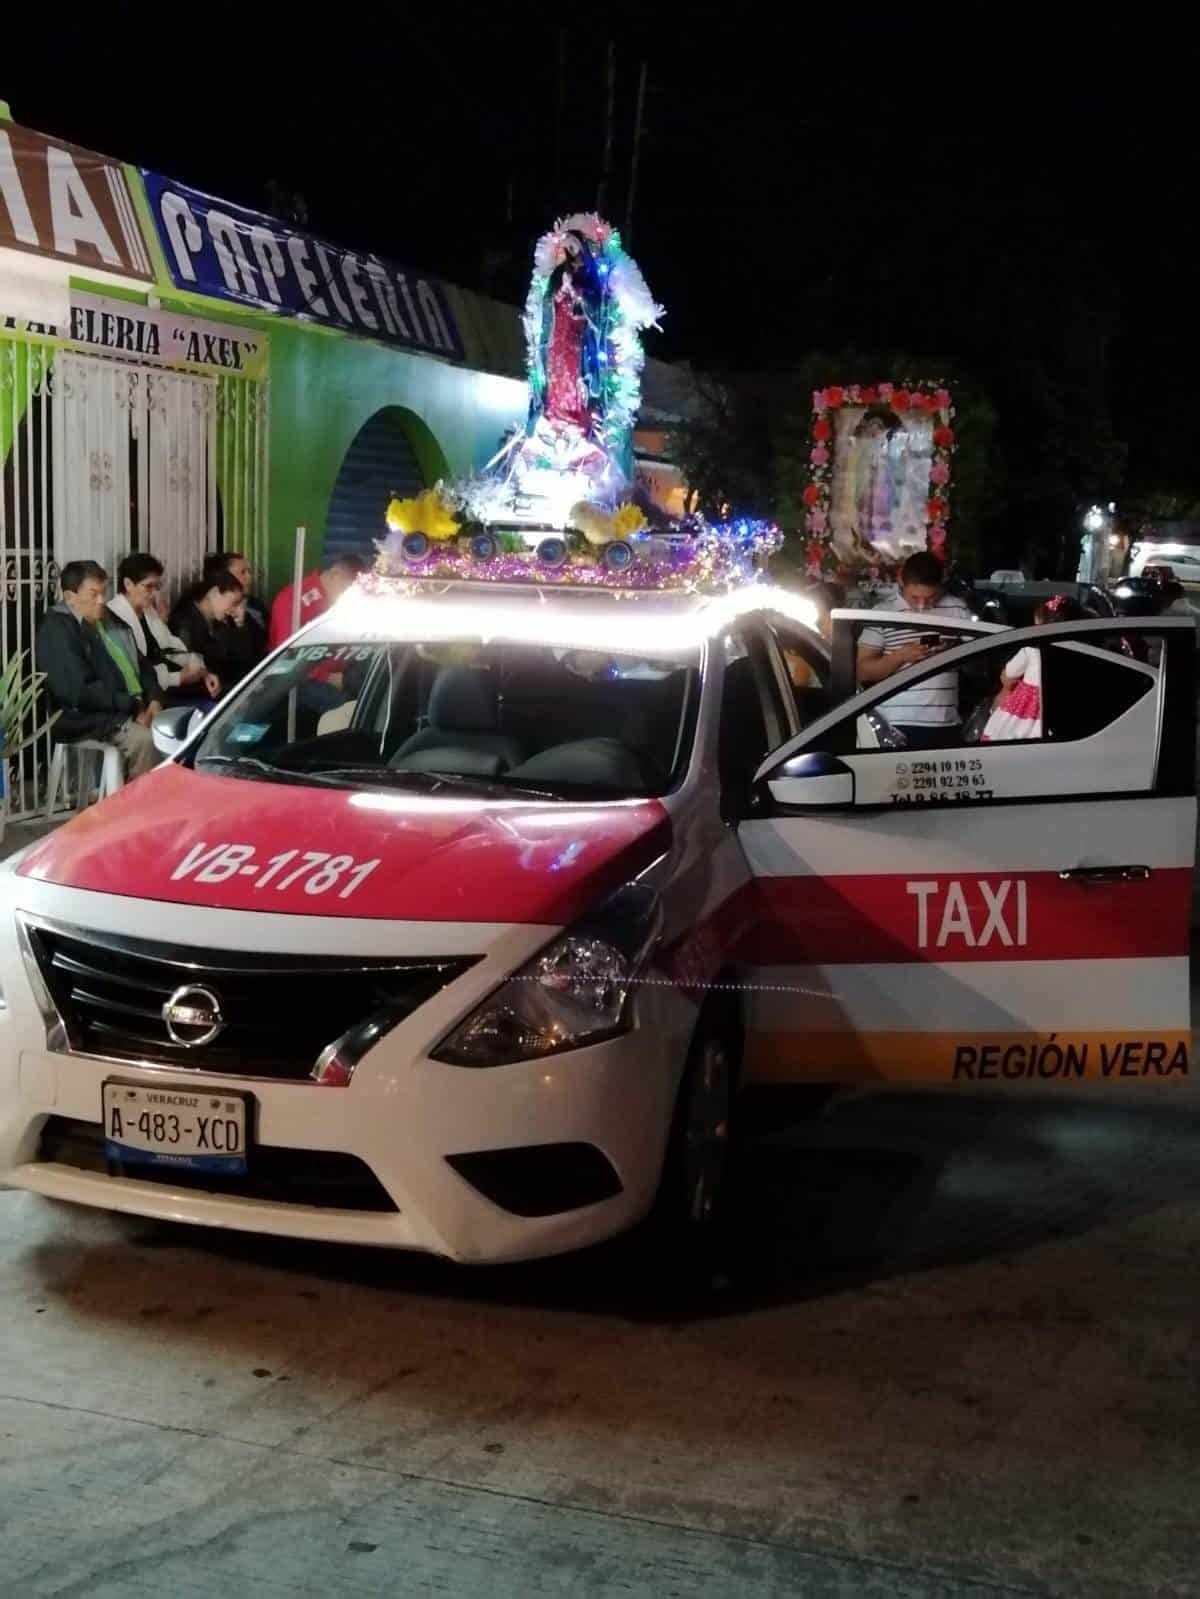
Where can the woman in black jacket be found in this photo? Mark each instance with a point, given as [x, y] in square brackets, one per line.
[199, 620]
[242, 636]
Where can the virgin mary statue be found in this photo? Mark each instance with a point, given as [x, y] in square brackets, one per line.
[573, 315]
[587, 308]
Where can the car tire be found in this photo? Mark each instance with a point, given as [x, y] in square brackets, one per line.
[692, 1189]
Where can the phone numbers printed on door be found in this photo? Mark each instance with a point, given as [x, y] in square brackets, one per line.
[952, 778]
[317, 871]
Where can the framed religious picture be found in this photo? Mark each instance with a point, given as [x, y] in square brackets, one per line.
[880, 472]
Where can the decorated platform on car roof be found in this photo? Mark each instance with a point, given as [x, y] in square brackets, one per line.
[558, 505]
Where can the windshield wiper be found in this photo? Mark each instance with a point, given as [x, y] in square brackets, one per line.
[490, 785]
[402, 777]
[249, 764]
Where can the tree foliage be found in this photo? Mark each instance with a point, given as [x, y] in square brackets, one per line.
[725, 450]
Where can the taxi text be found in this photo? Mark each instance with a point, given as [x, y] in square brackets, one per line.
[943, 913]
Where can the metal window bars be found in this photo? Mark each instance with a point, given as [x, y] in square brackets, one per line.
[99, 457]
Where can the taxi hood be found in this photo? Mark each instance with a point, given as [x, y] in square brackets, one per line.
[192, 838]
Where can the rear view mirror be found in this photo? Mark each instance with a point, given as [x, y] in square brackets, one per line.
[816, 780]
[171, 729]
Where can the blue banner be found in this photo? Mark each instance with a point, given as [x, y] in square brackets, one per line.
[233, 254]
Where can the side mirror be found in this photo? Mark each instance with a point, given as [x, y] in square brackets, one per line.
[817, 780]
[171, 729]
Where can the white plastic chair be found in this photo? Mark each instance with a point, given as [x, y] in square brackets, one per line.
[111, 776]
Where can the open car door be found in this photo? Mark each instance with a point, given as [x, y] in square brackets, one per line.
[984, 909]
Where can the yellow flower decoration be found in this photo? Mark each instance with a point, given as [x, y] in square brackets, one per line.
[427, 514]
[600, 527]
[629, 520]
[396, 512]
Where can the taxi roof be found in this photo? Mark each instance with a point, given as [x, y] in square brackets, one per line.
[648, 622]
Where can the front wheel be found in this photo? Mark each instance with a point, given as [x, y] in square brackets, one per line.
[706, 1096]
[693, 1184]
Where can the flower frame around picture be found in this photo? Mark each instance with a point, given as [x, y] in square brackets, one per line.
[879, 472]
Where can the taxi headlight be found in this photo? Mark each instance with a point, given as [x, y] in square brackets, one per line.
[576, 991]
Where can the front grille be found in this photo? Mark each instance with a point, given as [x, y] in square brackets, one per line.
[278, 1012]
[318, 1177]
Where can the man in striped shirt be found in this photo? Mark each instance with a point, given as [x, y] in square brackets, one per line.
[927, 714]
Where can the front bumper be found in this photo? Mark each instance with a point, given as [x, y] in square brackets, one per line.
[404, 1116]
[590, 1097]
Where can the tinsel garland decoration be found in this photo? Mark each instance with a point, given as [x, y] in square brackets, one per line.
[694, 556]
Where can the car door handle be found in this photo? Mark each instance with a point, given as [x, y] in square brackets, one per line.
[1105, 874]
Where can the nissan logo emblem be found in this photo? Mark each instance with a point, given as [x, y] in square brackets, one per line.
[193, 1016]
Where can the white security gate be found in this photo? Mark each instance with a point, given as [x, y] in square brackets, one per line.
[135, 465]
[26, 538]
[101, 457]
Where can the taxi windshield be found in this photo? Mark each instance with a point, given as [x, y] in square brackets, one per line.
[510, 719]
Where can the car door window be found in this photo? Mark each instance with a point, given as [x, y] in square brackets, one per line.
[805, 671]
[1014, 693]
[753, 718]
[1110, 723]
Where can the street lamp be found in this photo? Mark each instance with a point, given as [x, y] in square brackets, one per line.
[1094, 557]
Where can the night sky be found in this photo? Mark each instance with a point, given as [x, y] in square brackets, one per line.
[1009, 193]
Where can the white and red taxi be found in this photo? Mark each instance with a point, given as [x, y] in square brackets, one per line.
[456, 927]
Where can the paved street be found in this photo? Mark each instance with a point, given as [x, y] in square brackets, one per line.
[956, 1356]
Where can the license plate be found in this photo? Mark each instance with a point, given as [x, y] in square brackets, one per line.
[178, 1127]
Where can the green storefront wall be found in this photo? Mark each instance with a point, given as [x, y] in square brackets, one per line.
[325, 386]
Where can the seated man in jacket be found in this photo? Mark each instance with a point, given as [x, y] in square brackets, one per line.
[100, 689]
[181, 675]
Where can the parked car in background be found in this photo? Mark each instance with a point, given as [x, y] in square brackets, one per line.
[1012, 599]
[1138, 596]
[1182, 559]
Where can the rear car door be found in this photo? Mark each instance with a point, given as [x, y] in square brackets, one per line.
[984, 911]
